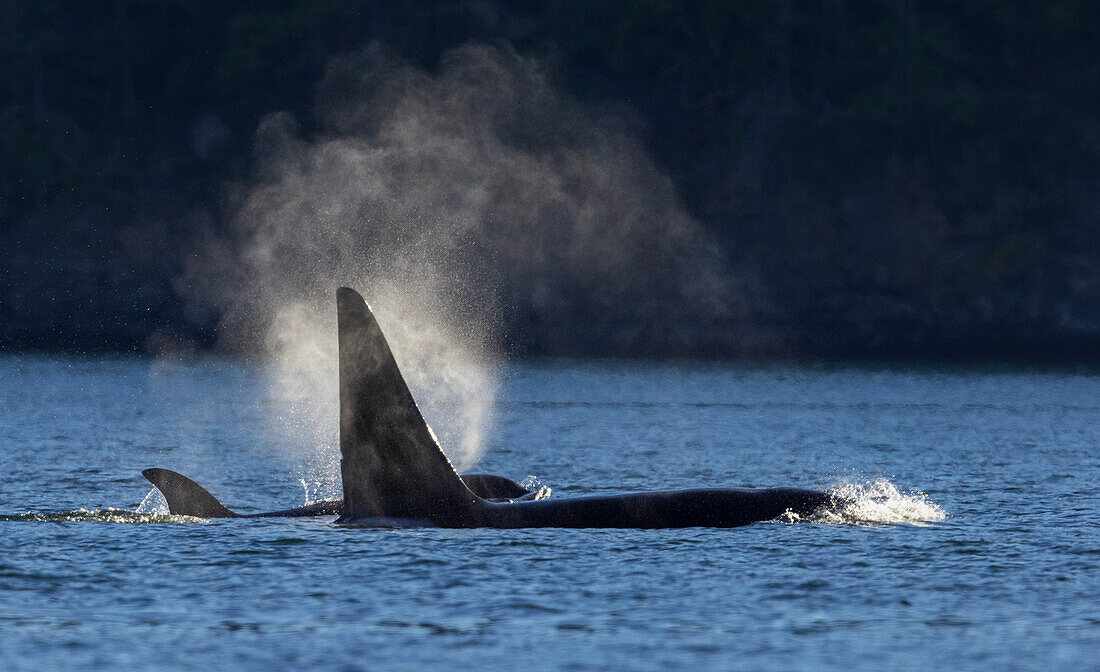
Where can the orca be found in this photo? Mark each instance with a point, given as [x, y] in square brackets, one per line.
[394, 472]
[187, 498]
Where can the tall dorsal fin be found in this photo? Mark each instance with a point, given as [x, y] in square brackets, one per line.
[392, 465]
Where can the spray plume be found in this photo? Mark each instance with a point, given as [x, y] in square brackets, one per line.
[457, 203]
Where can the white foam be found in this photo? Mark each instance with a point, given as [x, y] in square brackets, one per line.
[875, 502]
[102, 516]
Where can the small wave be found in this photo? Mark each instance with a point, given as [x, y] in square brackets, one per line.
[100, 516]
[876, 502]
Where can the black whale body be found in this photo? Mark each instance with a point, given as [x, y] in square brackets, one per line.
[394, 472]
[712, 507]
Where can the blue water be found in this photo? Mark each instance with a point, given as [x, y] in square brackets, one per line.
[974, 544]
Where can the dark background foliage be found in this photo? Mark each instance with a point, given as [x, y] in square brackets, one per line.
[901, 178]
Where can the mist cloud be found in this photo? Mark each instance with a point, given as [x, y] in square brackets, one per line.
[473, 207]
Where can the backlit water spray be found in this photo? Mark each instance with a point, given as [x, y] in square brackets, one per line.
[456, 203]
[153, 504]
[875, 502]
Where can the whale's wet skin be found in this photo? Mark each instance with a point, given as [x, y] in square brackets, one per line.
[394, 472]
[993, 566]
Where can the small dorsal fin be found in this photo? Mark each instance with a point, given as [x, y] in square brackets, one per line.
[491, 486]
[392, 465]
[186, 497]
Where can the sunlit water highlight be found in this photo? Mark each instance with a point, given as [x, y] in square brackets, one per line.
[969, 539]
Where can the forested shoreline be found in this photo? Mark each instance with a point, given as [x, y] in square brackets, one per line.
[900, 179]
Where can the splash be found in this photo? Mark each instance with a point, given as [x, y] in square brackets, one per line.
[316, 491]
[536, 486]
[153, 504]
[875, 502]
[109, 515]
[152, 509]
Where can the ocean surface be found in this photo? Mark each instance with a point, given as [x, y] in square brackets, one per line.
[973, 542]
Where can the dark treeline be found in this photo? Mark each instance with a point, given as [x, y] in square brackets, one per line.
[897, 177]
